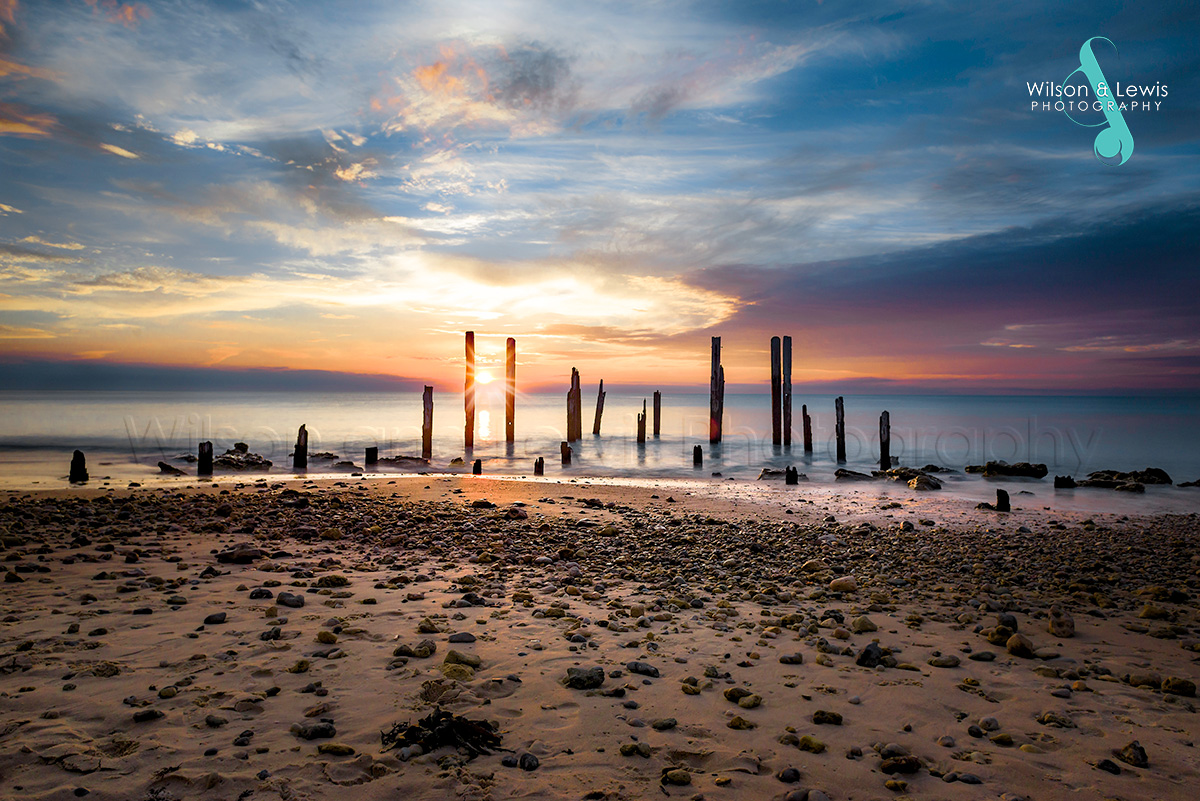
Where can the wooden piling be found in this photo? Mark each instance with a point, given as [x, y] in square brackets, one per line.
[574, 409]
[510, 390]
[776, 394]
[716, 394]
[565, 448]
[657, 413]
[469, 393]
[698, 456]
[787, 392]
[477, 467]
[885, 441]
[204, 459]
[372, 456]
[427, 424]
[791, 476]
[599, 409]
[300, 455]
[79, 473]
[641, 424]
[1002, 503]
[539, 466]
[807, 421]
[839, 429]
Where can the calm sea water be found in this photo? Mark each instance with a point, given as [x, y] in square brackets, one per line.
[1072, 435]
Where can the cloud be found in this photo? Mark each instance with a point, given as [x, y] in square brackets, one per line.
[6, 209]
[127, 14]
[118, 151]
[37, 240]
[23, 332]
[17, 120]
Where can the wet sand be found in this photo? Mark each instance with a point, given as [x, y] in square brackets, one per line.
[754, 642]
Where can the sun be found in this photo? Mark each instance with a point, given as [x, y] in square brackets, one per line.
[484, 377]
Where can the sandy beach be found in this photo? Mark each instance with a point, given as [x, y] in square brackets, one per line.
[254, 639]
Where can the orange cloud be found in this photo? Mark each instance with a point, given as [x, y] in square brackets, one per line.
[127, 14]
[15, 121]
[13, 68]
[8, 13]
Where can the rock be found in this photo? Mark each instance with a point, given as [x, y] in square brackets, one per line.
[290, 600]
[788, 775]
[78, 473]
[824, 717]
[735, 694]
[863, 624]
[241, 554]
[335, 749]
[1154, 612]
[239, 458]
[870, 657]
[454, 657]
[1056, 719]
[924, 483]
[750, 701]
[319, 730]
[740, 723]
[461, 637]
[1065, 482]
[842, 474]
[814, 566]
[1020, 645]
[945, 661]
[677, 776]
[215, 619]
[1002, 468]
[642, 669]
[843, 584]
[147, 715]
[791, 659]
[900, 764]
[169, 470]
[326, 637]
[1061, 624]
[260, 594]
[810, 744]
[584, 678]
[1178, 686]
[1133, 754]
[664, 724]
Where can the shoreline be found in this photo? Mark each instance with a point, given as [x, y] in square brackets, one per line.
[696, 582]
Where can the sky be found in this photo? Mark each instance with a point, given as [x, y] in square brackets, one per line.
[264, 188]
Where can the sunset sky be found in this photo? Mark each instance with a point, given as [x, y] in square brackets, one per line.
[348, 186]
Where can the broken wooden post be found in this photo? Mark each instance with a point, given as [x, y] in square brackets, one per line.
[807, 421]
[776, 394]
[477, 467]
[204, 462]
[539, 466]
[469, 393]
[885, 441]
[716, 394]
[574, 409]
[1002, 504]
[300, 455]
[510, 390]
[791, 476]
[79, 473]
[641, 424]
[566, 453]
[839, 429]
[372, 455]
[697, 456]
[427, 424]
[657, 413]
[599, 409]
[787, 392]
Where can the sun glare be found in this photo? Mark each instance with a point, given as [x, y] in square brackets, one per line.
[484, 377]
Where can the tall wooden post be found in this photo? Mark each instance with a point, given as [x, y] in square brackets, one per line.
[657, 413]
[204, 460]
[565, 449]
[372, 455]
[1002, 502]
[776, 394]
[807, 421]
[79, 473]
[641, 424]
[697, 456]
[539, 466]
[787, 392]
[839, 429]
[885, 441]
[574, 409]
[510, 390]
[469, 393]
[716, 394]
[599, 409]
[477, 467]
[427, 424]
[300, 456]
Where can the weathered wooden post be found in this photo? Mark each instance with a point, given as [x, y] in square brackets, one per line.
[641, 424]
[1002, 503]
[839, 429]
[697, 456]
[372, 456]
[885, 441]
[657, 413]
[565, 448]
[539, 466]
[510, 390]
[477, 467]
[807, 421]
[791, 476]
[787, 392]
[469, 393]
[427, 424]
[79, 473]
[574, 409]
[716, 394]
[300, 455]
[776, 394]
[599, 410]
[204, 460]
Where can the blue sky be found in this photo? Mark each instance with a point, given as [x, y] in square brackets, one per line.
[347, 186]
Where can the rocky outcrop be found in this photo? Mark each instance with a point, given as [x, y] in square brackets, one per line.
[239, 458]
[1002, 468]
